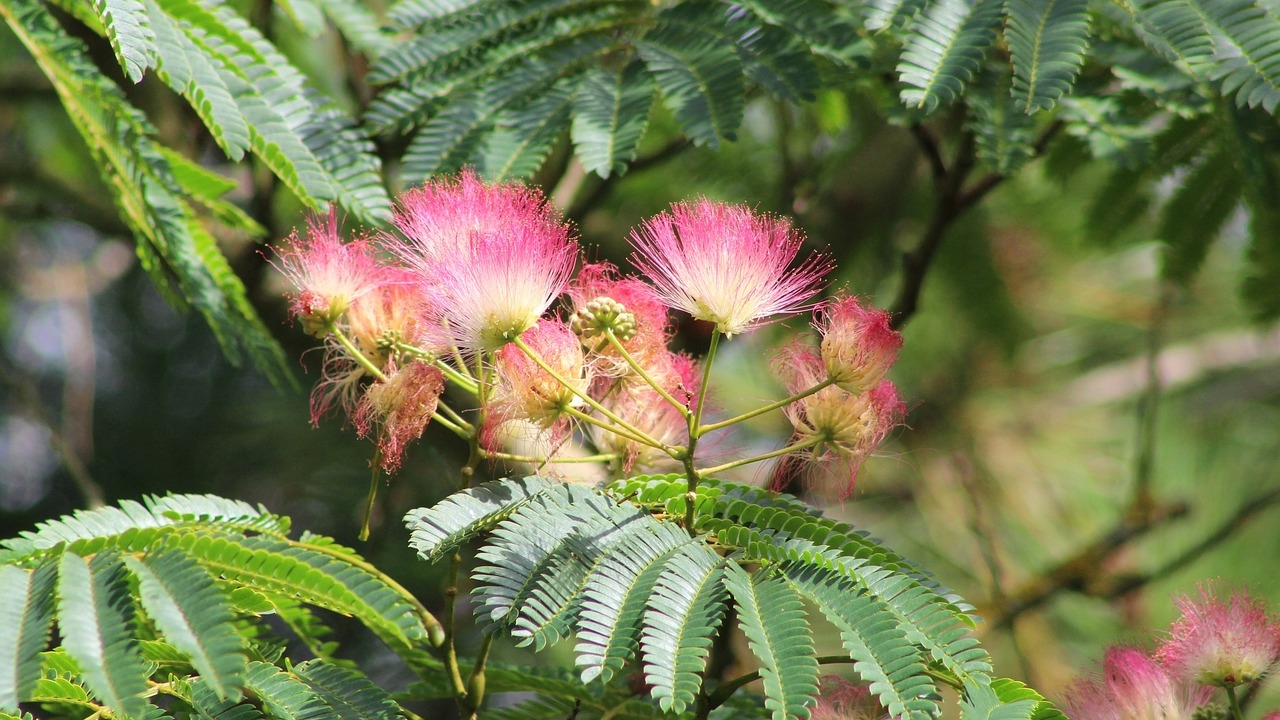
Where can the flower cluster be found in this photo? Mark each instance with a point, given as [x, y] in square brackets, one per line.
[1216, 642]
[481, 288]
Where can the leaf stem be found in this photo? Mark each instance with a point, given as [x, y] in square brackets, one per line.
[1236, 713]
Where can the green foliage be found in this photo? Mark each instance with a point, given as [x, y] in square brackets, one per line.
[1047, 41]
[203, 571]
[634, 584]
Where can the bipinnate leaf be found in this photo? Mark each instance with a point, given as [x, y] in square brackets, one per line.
[1194, 214]
[438, 530]
[684, 611]
[190, 611]
[523, 137]
[95, 617]
[350, 695]
[283, 695]
[982, 702]
[610, 113]
[131, 38]
[700, 79]
[945, 49]
[1047, 43]
[772, 616]
[26, 613]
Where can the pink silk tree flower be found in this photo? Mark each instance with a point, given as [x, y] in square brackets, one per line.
[1134, 687]
[1221, 642]
[388, 315]
[525, 391]
[328, 274]
[845, 427]
[635, 401]
[726, 265]
[490, 259]
[399, 408]
[858, 343]
[841, 699]
[649, 314]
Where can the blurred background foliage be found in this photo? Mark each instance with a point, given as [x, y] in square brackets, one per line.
[1085, 437]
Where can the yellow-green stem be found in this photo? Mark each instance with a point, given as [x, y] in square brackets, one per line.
[538, 460]
[695, 431]
[356, 353]
[374, 475]
[764, 456]
[765, 408]
[1236, 712]
[635, 366]
[455, 416]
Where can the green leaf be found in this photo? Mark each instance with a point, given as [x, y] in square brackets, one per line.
[1247, 44]
[1012, 691]
[25, 618]
[700, 79]
[358, 25]
[982, 702]
[1195, 213]
[439, 530]
[189, 610]
[684, 611]
[523, 137]
[131, 38]
[1005, 137]
[1047, 42]
[95, 617]
[349, 694]
[891, 14]
[610, 114]
[772, 616]
[945, 49]
[283, 695]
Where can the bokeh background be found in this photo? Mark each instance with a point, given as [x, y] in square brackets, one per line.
[1084, 441]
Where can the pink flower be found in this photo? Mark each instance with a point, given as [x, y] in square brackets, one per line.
[491, 258]
[400, 408]
[387, 315]
[858, 343]
[599, 280]
[525, 391]
[844, 427]
[1134, 687]
[841, 699]
[1221, 642]
[639, 404]
[328, 273]
[726, 265]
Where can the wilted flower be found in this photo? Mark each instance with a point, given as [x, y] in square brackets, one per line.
[842, 426]
[724, 264]
[328, 273]
[1221, 642]
[841, 699]
[525, 391]
[400, 407]
[858, 343]
[492, 257]
[1134, 687]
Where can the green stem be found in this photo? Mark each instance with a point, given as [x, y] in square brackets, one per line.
[460, 379]
[450, 649]
[1236, 713]
[764, 456]
[632, 432]
[695, 431]
[536, 460]
[643, 440]
[462, 432]
[729, 687]
[455, 416]
[373, 492]
[766, 408]
[631, 361]
[475, 679]
[356, 353]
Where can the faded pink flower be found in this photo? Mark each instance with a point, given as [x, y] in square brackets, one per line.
[329, 274]
[400, 408]
[724, 264]
[639, 404]
[492, 258]
[340, 383]
[598, 280]
[525, 391]
[388, 314]
[858, 343]
[1221, 642]
[841, 699]
[1134, 687]
[847, 426]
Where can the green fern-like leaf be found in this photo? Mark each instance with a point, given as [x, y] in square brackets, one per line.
[772, 617]
[523, 137]
[282, 695]
[349, 694]
[944, 50]
[350, 158]
[610, 113]
[181, 599]
[439, 530]
[25, 620]
[1177, 29]
[1047, 41]
[1011, 691]
[95, 617]
[884, 654]
[1248, 51]
[615, 597]
[358, 25]
[981, 701]
[1005, 137]
[700, 80]
[684, 611]
[57, 688]
[131, 37]
[1196, 212]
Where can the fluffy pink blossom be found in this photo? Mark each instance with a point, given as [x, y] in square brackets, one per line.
[400, 408]
[858, 343]
[491, 258]
[846, 427]
[841, 699]
[1134, 687]
[724, 264]
[639, 404]
[389, 313]
[525, 391]
[328, 274]
[1221, 642]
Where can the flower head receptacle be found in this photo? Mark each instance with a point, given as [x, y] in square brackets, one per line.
[1224, 642]
[727, 265]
